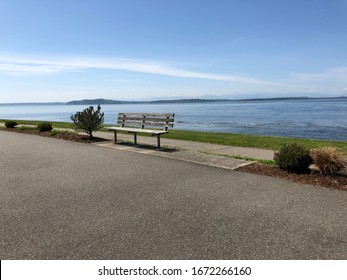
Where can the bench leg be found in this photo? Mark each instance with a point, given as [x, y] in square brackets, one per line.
[115, 136]
[135, 138]
[158, 140]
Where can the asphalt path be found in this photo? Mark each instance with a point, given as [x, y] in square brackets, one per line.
[65, 200]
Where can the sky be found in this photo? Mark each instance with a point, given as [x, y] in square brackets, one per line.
[162, 49]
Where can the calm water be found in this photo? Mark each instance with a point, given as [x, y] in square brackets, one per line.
[319, 119]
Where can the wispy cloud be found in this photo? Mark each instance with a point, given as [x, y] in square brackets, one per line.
[332, 81]
[33, 66]
[338, 73]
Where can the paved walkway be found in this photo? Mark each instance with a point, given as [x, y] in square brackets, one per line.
[66, 200]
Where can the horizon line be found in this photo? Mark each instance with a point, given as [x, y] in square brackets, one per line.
[170, 100]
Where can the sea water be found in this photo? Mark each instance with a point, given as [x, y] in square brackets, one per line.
[313, 118]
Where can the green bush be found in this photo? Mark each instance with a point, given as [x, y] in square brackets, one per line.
[11, 124]
[88, 120]
[294, 158]
[44, 126]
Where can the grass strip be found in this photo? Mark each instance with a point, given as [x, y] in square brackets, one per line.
[265, 161]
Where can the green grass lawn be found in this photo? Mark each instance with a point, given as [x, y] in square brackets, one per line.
[247, 140]
[229, 139]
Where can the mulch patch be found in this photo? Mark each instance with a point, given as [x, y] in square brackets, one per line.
[64, 136]
[330, 181]
[79, 138]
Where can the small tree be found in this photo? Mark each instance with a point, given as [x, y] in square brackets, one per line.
[88, 120]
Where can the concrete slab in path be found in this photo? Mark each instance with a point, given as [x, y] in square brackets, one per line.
[198, 152]
[182, 155]
[198, 146]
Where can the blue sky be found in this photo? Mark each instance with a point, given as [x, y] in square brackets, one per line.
[136, 50]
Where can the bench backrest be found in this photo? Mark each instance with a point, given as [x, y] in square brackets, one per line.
[143, 120]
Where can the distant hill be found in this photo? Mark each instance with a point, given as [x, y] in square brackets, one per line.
[95, 102]
[195, 100]
[191, 100]
[108, 101]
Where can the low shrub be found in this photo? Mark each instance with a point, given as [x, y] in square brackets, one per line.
[294, 158]
[26, 128]
[56, 132]
[53, 133]
[329, 160]
[44, 126]
[11, 124]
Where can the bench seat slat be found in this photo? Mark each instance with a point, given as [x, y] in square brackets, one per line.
[139, 130]
[147, 114]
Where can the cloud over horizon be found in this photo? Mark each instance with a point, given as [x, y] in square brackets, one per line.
[326, 82]
[14, 65]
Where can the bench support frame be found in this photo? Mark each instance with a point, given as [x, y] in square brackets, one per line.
[115, 141]
[158, 141]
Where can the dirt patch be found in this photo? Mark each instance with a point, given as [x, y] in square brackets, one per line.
[316, 179]
[79, 138]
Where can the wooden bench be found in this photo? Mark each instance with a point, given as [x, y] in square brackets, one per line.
[137, 122]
